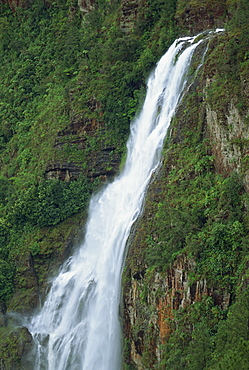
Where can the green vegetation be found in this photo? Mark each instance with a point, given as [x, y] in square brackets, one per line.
[197, 210]
[13, 344]
[50, 202]
[229, 62]
[70, 84]
[202, 214]
[192, 211]
[61, 69]
[207, 337]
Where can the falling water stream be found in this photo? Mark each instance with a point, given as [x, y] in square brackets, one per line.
[78, 326]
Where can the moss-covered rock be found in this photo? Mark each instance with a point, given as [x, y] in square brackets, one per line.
[13, 345]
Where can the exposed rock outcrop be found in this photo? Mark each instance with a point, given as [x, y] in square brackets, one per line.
[86, 6]
[150, 303]
[103, 163]
[230, 141]
[62, 171]
[102, 159]
[129, 11]
[152, 298]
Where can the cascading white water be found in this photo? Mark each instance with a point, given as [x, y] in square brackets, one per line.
[78, 327]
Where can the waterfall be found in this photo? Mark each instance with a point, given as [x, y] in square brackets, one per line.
[78, 326]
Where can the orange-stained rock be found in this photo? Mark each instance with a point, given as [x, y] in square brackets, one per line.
[148, 314]
[164, 311]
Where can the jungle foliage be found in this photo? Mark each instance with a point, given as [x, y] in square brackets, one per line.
[206, 337]
[54, 63]
[194, 209]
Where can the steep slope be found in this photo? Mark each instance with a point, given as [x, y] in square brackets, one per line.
[73, 76]
[66, 76]
[186, 277]
[68, 71]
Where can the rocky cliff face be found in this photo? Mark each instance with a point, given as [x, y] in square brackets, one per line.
[229, 137]
[129, 12]
[102, 160]
[150, 304]
[152, 298]
[86, 6]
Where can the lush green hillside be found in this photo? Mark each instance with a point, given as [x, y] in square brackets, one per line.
[188, 264]
[71, 81]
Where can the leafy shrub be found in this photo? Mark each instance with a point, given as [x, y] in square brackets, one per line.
[51, 202]
[7, 273]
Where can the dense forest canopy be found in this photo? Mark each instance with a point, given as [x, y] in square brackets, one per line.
[73, 75]
[62, 69]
